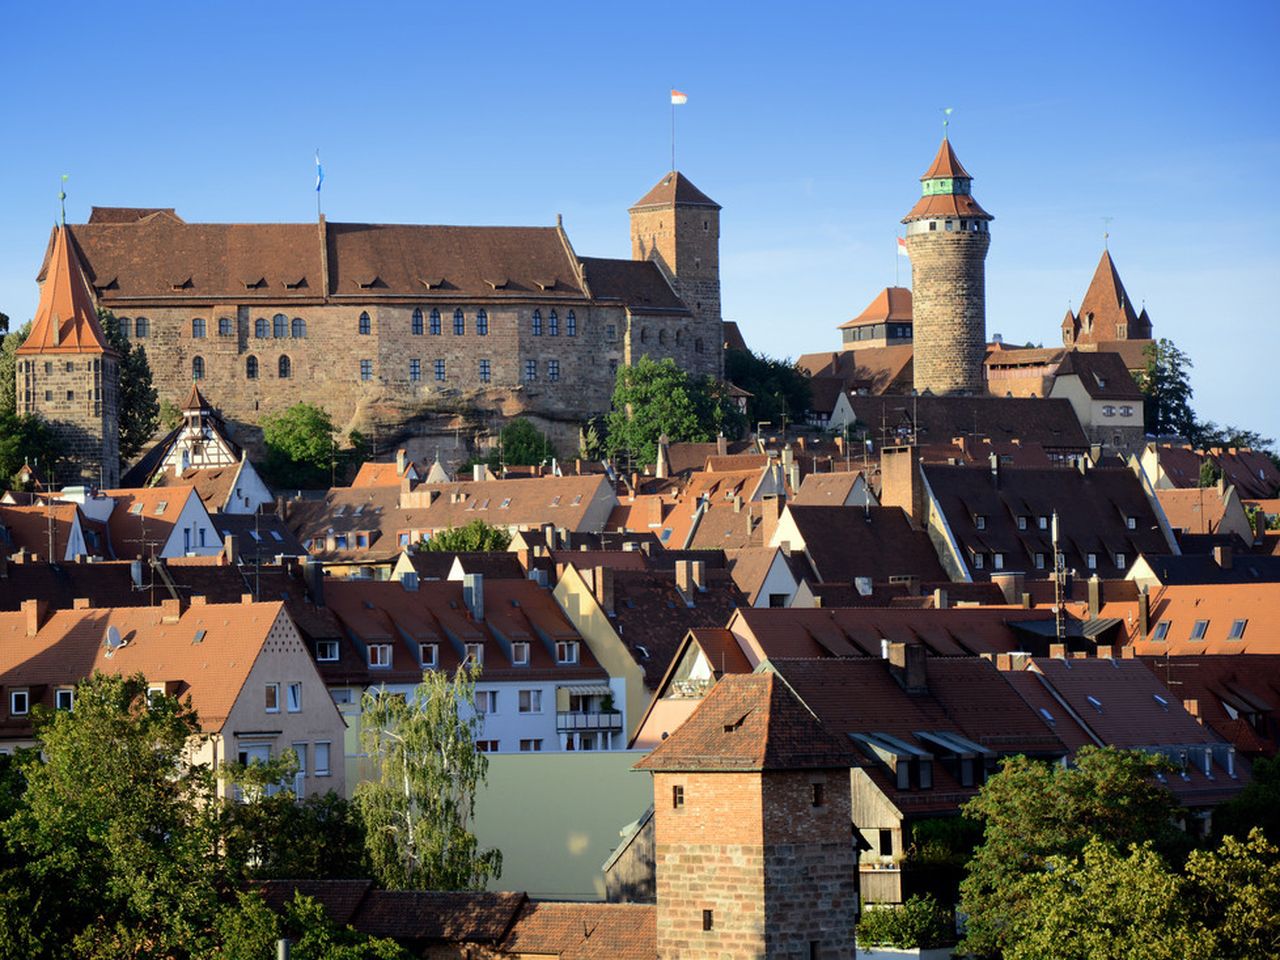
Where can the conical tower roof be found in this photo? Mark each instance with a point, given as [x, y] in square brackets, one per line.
[675, 189]
[196, 400]
[66, 320]
[1107, 300]
[946, 164]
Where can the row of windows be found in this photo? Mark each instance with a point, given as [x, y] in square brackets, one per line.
[280, 327]
[530, 701]
[553, 324]
[1199, 630]
[420, 323]
[485, 370]
[284, 368]
[1040, 559]
[1110, 411]
[1042, 522]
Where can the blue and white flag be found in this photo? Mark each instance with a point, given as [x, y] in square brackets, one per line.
[319, 172]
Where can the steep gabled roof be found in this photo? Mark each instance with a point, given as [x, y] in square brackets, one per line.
[945, 164]
[891, 303]
[675, 188]
[1103, 375]
[1109, 304]
[66, 319]
[750, 722]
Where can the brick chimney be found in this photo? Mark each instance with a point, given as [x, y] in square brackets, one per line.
[36, 612]
[231, 548]
[1095, 597]
[722, 445]
[402, 462]
[170, 610]
[770, 512]
[1058, 651]
[1144, 614]
[698, 573]
[908, 665]
[901, 484]
[1222, 556]
[662, 470]
[602, 587]
[1011, 586]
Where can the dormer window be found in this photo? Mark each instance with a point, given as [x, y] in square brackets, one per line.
[980, 521]
[1237, 630]
[429, 655]
[978, 561]
[566, 652]
[1131, 523]
[1200, 629]
[380, 655]
[1022, 523]
[520, 654]
[475, 655]
[1091, 561]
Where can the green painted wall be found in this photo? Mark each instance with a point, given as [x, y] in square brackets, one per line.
[556, 817]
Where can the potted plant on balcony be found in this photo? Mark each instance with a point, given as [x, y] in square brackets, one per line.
[921, 928]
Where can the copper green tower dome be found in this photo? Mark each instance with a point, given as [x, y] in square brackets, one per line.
[947, 240]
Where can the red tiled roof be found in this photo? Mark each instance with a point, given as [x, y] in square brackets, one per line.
[66, 319]
[945, 164]
[1193, 509]
[675, 188]
[891, 303]
[872, 369]
[1051, 423]
[637, 283]
[1109, 304]
[29, 528]
[750, 722]
[844, 543]
[584, 931]
[1103, 375]
[826, 489]
[953, 205]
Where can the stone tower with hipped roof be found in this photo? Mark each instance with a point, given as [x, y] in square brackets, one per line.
[68, 375]
[1106, 312]
[947, 240]
[677, 226]
[754, 851]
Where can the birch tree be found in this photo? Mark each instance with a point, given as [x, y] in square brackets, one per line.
[418, 809]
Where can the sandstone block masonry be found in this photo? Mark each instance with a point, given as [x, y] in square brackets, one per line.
[76, 395]
[948, 278]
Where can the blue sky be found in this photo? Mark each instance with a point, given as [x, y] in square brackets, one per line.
[809, 123]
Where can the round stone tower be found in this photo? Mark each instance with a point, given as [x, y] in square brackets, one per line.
[947, 240]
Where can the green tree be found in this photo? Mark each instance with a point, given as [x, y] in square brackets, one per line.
[417, 812]
[652, 398]
[1166, 388]
[476, 535]
[249, 929]
[170, 415]
[27, 439]
[1236, 887]
[9, 367]
[136, 395]
[919, 922]
[1209, 473]
[1256, 806]
[778, 388]
[523, 444]
[1031, 811]
[117, 830]
[300, 446]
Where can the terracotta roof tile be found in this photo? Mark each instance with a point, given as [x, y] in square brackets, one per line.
[675, 188]
[945, 164]
[947, 205]
[890, 304]
[1106, 307]
[637, 283]
[584, 931]
[1050, 423]
[66, 319]
[826, 489]
[844, 543]
[1103, 375]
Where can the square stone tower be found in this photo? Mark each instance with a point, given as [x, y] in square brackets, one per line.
[677, 226]
[754, 850]
[68, 375]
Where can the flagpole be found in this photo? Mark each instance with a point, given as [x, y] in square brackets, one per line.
[897, 261]
[673, 133]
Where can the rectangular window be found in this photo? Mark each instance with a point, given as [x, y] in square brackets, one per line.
[997, 561]
[415, 370]
[531, 370]
[1237, 629]
[1131, 523]
[459, 323]
[485, 373]
[980, 522]
[272, 698]
[571, 324]
[553, 370]
[64, 698]
[818, 798]
[886, 843]
[440, 370]
[610, 332]
[487, 746]
[487, 702]
[1120, 561]
[300, 751]
[224, 326]
[1091, 561]
[326, 650]
[530, 701]
[1022, 523]
[553, 324]
[475, 654]
[429, 654]
[978, 562]
[1042, 523]
[1161, 631]
[707, 919]
[366, 369]
[677, 797]
[566, 651]
[520, 654]
[379, 654]
[19, 703]
[197, 329]
[482, 324]
[531, 746]
[293, 697]
[1199, 630]
[321, 757]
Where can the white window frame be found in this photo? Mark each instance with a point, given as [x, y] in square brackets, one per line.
[1039, 561]
[980, 521]
[474, 654]
[293, 697]
[376, 659]
[487, 702]
[69, 693]
[321, 748]
[566, 652]
[429, 663]
[1091, 561]
[978, 561]
[520, 653]
[271, 695]
[13, 703]
[322, 646]
[1238, 627]
[530, 701]
[1121, 563]
[997, 561]
[531, 745]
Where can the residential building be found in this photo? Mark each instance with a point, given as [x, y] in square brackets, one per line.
[56, 531]
[166, 521]
[862, 545]
[243, 666]
[1106, 400]
[885, 322]
[1201, 510]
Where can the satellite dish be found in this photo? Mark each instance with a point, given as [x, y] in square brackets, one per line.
[113, 640]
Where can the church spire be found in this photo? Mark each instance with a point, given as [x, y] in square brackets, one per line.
[66, 319]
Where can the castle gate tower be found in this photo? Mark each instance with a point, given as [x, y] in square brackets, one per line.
[947, 240]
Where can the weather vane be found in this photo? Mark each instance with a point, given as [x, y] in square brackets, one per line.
[946, 118]
[62, 199]
[1106, 230]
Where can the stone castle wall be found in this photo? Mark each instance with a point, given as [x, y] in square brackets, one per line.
[76, 395]
[948, 291]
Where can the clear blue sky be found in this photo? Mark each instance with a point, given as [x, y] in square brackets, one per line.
[810, 123]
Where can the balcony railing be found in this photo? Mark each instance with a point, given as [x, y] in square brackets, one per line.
[594, 720]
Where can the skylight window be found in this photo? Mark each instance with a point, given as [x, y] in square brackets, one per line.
[1200, 629]
[161, 507]
[1161, 700]
[135, 509]
[1237, 629]
[1161, 631]
[505, 503]
[1095, 703]
[1048, 717]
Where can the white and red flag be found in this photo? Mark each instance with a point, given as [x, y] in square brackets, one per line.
[902, 248]
[678, 98]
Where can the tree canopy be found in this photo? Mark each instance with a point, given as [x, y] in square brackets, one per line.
[652, 398]
[418, 810]
[778, 388]
[476, 535]
[9, 366]
[136, 395]
[523, 444]
[300, 447]
[1167, 392]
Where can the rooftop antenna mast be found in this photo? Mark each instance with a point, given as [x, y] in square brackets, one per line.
[1059, 619]
[1106, 230]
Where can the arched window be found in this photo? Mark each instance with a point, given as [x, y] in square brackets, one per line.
[435, 323]
[644, 334]
[299, 328]
[197, 368]
[679, 336]
[122, 324]
[415, 326]
[571, 325]
[662, 336]
[482, 323]
[141, 327]
[197, 328]
[280, 326]
[285, 367]
[459, 323]
[553, 324]
[697, 345]
[537, 323]
[366, 326]
[251, 368]
[260, 328]
[224, 326]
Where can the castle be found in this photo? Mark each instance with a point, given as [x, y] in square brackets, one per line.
[356, 316]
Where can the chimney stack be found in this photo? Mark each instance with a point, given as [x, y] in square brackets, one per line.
[1144, 614]
[901, 484]
[1011, 585]
[170, 610]
[1095, 597]
[908, 664]
[939, 598]
[1222, 556]
[473, 594]
[663, 468]
[602, 587]
[698, 573]
[722, 445]
[770, 512]
[37, 612]
[231, 548]
[313, 574]
[402, 462]
[1058, 651]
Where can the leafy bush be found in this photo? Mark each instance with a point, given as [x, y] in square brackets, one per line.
[920, 922]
